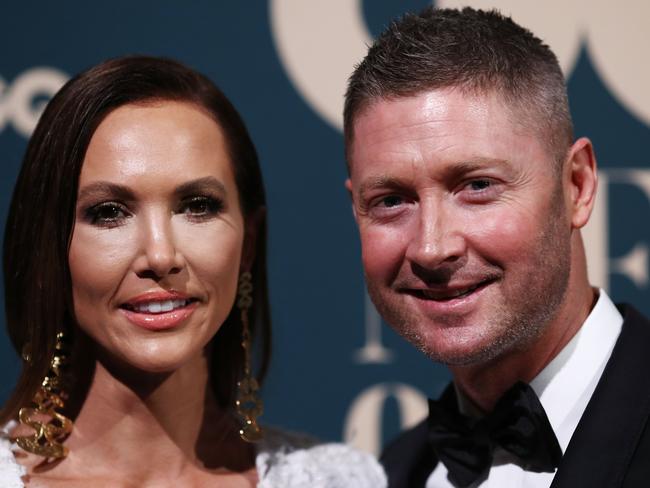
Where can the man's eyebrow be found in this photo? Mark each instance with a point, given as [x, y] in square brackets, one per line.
[202, 185]
[382, 181]
[106, 189]
[451, 171]
[475, 164]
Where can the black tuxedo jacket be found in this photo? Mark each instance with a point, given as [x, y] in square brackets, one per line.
[610, 447]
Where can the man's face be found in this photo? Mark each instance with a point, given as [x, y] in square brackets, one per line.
[464, 230]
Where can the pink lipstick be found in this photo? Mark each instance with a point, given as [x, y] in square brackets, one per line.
[159, 310]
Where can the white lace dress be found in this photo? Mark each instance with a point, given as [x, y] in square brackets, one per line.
[283, 461]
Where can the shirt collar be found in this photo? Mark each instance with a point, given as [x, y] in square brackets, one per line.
[566, 384]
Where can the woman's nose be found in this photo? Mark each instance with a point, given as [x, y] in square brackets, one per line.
[159, 254]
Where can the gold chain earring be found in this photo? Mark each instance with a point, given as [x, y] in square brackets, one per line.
[248, 404]
[51, 427]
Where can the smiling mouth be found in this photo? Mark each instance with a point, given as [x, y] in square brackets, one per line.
[448, 294]
[158, 306]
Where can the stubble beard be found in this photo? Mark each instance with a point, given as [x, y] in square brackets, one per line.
[529, 305]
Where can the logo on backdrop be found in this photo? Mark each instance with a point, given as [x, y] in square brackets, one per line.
[23, 100]
[319, 59]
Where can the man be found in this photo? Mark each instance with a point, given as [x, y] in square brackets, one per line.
[470, 192]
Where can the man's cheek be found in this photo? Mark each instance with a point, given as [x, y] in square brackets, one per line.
[501, 234]
[381, 253]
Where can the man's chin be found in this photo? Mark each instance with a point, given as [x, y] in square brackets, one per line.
[457, 343]
[461, 355]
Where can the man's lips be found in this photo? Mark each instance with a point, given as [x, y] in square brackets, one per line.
[448, 292]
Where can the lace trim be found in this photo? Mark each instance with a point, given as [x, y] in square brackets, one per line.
[10, 471]
[291, 462]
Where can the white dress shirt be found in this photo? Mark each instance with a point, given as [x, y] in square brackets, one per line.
[564, 388]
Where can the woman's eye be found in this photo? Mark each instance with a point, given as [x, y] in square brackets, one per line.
[202, 206]
[107, 214]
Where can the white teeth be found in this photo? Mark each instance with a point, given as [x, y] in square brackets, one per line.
[160, 307]
[447, 295]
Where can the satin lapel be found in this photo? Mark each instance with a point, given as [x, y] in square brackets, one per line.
[605, 439]
[409, 459]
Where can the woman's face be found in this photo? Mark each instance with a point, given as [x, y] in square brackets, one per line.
[157, 244]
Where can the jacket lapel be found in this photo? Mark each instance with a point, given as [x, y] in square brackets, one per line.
[409, 460]
[605, 439]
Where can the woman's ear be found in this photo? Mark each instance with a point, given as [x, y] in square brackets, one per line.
[253, 227]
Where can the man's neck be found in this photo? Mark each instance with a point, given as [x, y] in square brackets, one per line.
[483, 384]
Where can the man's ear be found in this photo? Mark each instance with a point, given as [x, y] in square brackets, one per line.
[253, 226]
[348, 186]
[582, 181]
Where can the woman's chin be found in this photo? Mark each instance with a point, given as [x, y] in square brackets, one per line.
[150, 361]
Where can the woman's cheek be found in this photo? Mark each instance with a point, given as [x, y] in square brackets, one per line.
[99, 259]
[213, 253]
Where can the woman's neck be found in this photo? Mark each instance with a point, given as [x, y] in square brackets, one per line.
[159, 427]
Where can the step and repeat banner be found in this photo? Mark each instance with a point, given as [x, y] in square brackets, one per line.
[338, 372]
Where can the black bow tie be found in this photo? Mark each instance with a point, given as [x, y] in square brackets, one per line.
[518, 424]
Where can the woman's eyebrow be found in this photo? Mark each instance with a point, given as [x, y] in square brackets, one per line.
[208, 183]
[106, 189]
[113, 190]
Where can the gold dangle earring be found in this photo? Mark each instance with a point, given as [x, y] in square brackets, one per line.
[248, 403]
[51, 427]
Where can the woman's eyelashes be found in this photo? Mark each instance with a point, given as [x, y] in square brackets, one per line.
[201, 207]
[196, 208]
[106, 214]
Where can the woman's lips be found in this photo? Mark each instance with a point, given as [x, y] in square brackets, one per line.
[159, 310]
[159, 320]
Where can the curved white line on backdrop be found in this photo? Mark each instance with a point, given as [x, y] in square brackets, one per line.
[618, 43]
[320, 42]
[363, 423]
[556, 22]
[4, 113]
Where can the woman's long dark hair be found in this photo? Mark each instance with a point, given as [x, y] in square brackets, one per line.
[38, 297]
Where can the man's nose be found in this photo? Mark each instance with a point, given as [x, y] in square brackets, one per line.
[159, 254]
[436, 237]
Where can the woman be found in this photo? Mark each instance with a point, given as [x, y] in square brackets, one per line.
[135, 279]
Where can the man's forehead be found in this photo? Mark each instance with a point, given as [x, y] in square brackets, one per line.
[439, 103]
[440, 116]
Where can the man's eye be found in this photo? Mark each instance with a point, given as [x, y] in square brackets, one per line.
[391, 201]
[202, 206]
[478, 185]
[106, 214]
